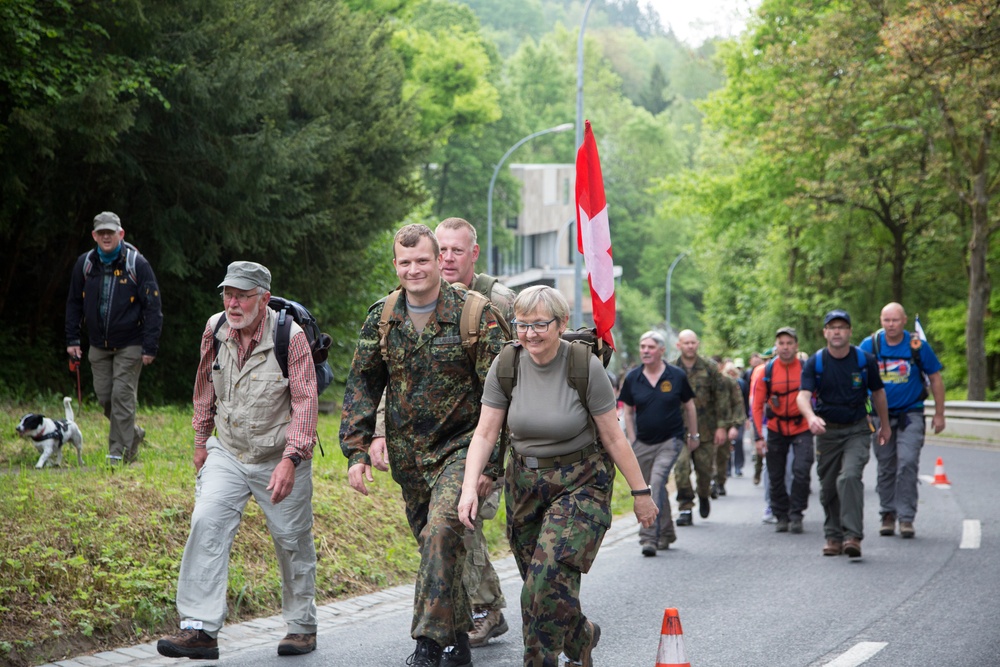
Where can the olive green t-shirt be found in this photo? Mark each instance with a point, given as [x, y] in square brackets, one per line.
[545, 415]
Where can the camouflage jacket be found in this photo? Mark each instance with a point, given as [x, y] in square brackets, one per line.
[432, 391]
[716, 398]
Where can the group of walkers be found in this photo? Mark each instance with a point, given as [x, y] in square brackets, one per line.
[455, 393]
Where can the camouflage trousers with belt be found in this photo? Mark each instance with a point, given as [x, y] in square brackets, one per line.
[556, 521]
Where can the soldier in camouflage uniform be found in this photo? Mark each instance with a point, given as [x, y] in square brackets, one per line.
[459, 252]
[433, 391]
[715, 417]
[724, 451]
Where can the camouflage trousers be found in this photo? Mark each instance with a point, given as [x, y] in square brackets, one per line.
[703, 458]
[480, 578]
[556, 521]
[440, 602]
[722, 454]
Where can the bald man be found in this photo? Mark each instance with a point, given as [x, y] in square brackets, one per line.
[907, 365]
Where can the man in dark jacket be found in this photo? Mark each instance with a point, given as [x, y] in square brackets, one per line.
[113, 289]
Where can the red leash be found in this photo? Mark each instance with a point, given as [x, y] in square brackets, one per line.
[74, 366]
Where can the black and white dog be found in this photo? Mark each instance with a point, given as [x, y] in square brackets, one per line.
[50, 435]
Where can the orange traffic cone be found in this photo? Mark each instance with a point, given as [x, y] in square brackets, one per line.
[671, 653]
[939, 477]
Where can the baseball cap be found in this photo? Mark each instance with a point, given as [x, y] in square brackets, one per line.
[247, 275]
[836, 315]
[790, 331]
[107, 221]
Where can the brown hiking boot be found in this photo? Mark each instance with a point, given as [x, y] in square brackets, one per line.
[595, 636]
[888, 525]
[194, 644]
[833, 548]
[906, 529]
[297, 644]
[852, 547]
[486, 624]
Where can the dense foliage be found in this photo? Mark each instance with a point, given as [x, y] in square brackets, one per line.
[847, 158]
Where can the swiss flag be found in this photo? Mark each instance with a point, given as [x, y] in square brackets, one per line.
[594, 235]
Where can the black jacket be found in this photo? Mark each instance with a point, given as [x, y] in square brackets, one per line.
[134, 316]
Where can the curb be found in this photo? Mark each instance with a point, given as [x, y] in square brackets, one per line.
[257, 632]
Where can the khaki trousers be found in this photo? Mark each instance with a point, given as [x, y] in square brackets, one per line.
[223, 489]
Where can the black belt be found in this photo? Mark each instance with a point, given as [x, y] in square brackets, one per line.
[537, 463]
[900, 413]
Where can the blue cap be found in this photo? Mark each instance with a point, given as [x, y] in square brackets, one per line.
[836, 315]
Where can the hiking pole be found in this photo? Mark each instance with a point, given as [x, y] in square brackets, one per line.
[74, 366]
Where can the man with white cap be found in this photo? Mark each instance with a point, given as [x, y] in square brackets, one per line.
[265, 433]
[114, 290]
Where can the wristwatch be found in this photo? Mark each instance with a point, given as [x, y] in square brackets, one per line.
[295, 459]
[642, 492]
[694, 436]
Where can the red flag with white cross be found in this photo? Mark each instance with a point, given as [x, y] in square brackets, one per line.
[593, 235]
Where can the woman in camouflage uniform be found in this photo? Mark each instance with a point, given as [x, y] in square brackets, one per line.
[559, 479]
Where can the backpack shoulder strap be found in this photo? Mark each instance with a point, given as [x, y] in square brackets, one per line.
[862, 363]
[383, 323]
[216, 342]
[506, 369]
[578, 369]
[472, 314]
[767, 374]
[818, 367]
[282, 336]
[875, 346]
[131, 253]
[483, 284]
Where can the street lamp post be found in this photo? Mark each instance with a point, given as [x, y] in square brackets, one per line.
[670, 273]
[493, 180]
[577, 257]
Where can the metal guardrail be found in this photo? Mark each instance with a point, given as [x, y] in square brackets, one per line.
[974, 421]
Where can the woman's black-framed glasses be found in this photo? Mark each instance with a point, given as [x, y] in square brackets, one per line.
[538, 327]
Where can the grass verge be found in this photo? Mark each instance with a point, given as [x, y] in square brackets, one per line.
[89, 556]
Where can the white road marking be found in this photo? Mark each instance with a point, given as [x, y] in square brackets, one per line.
[929, 479]
[972, 533]
[858, 654]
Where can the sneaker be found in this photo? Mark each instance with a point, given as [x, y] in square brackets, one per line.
[888, 525]
[852, 547]
[714, 493]
[427, 654]
[906, 530]
[648, 549]
[738, 473]
[585, 654]
[795, 526]
[194, 644]
[704, 506]
[486, 624]
[684, 518]
[769, 516]
[459, 655]
[297, 644]
[665, 541]
[781, 525]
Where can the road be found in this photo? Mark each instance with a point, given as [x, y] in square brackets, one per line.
[747, 596]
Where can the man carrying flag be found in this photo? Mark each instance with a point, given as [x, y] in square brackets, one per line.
[593, 235]
[906, 362]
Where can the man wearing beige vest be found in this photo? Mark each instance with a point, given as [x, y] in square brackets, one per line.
[265, 429]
